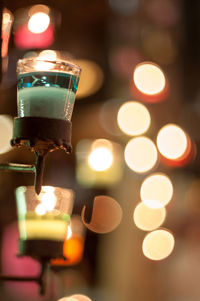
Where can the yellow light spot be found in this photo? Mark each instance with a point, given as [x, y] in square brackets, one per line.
[133, 118]
[156, 190]
[48, 189]
[101, 156]
[6, 129]
[158, 245]
[91, 78]
[148, 219]
[172, 141]
[40, 209]
[38, 22]
[6, 18]
[149, 78]
[81, 297]
[49, 55]
[140, 154]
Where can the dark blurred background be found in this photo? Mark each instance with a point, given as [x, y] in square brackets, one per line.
[114, 36]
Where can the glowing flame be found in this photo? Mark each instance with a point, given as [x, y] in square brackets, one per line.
[48, 198]
[40, 209]
[69, 232]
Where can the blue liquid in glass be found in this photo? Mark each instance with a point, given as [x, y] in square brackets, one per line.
[46, 94]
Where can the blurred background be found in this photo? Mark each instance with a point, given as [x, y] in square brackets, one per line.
[135, 139]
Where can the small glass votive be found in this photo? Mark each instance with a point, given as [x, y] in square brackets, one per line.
[46, 88]
[43, 220]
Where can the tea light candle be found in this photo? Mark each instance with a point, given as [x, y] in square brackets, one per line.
[40, 102]
[46, 94]
[53, 229]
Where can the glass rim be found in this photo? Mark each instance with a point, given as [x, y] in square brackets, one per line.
[65, 66]
[31, 187]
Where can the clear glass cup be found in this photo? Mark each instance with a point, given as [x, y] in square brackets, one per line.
[46, 88]
[45, 216]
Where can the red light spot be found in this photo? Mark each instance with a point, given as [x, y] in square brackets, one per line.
[149, 98]
[25, 39]
[186, 158]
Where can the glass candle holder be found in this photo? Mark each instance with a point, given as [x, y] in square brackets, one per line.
[46, 88]
[43, 220]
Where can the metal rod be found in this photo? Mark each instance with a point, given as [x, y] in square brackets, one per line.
[17, 167]
[39, 171]
[41, 280]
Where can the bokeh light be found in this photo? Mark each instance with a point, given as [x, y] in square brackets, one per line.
[101, 157]
[80, 297]
[38, 22]
[186, 158]
[77, 297]
[172, 141]
[149, 78]
[148, 219]
[24, 39]
[106, 215]
[158, 245]
[6, 131]
[91, 79]
[48, 54]
[156, 190]
[141, 154]
[7, 21]
[38, 8]
[133, 118]
[86, 175]
[20, 266]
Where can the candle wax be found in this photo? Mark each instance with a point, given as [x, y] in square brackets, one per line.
[54, 229]
[46, 94]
